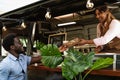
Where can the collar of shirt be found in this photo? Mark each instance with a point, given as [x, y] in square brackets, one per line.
[13, 57]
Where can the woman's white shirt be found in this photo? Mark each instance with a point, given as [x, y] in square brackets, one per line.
[113, 31]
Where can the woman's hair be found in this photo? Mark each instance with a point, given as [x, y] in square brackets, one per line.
[109, 17]
[104, 8]
[8, 41]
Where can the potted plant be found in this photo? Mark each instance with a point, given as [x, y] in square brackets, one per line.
[74, 63]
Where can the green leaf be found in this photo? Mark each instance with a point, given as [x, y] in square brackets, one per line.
[76, 62]
[39, 45]
[67, 72]
[51, 56]
[102, 63]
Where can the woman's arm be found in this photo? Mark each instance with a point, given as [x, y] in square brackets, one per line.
[112, 32]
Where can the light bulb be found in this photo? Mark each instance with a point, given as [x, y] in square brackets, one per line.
[89, 4]
[4, 28]
[48, 14]
[23, 25]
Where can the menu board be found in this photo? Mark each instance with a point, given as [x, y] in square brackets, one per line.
[57, 39]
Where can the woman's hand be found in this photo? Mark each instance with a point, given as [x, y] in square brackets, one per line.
[76, 41]
[72, 42]
[63, 48]
[82, 42]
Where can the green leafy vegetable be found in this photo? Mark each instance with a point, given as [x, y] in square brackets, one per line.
[74, 63]
[102, 63]
[51, 56]
[99, 64]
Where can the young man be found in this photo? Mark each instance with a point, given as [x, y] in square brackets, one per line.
[14, 66]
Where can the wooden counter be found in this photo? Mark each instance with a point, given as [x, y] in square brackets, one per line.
[44, 73]
[41, 72]
[105, 72]
[41, 67]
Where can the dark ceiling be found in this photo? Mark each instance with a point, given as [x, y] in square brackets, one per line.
[37, 11]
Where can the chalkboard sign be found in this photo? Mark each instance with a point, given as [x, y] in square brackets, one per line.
[57, 39]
